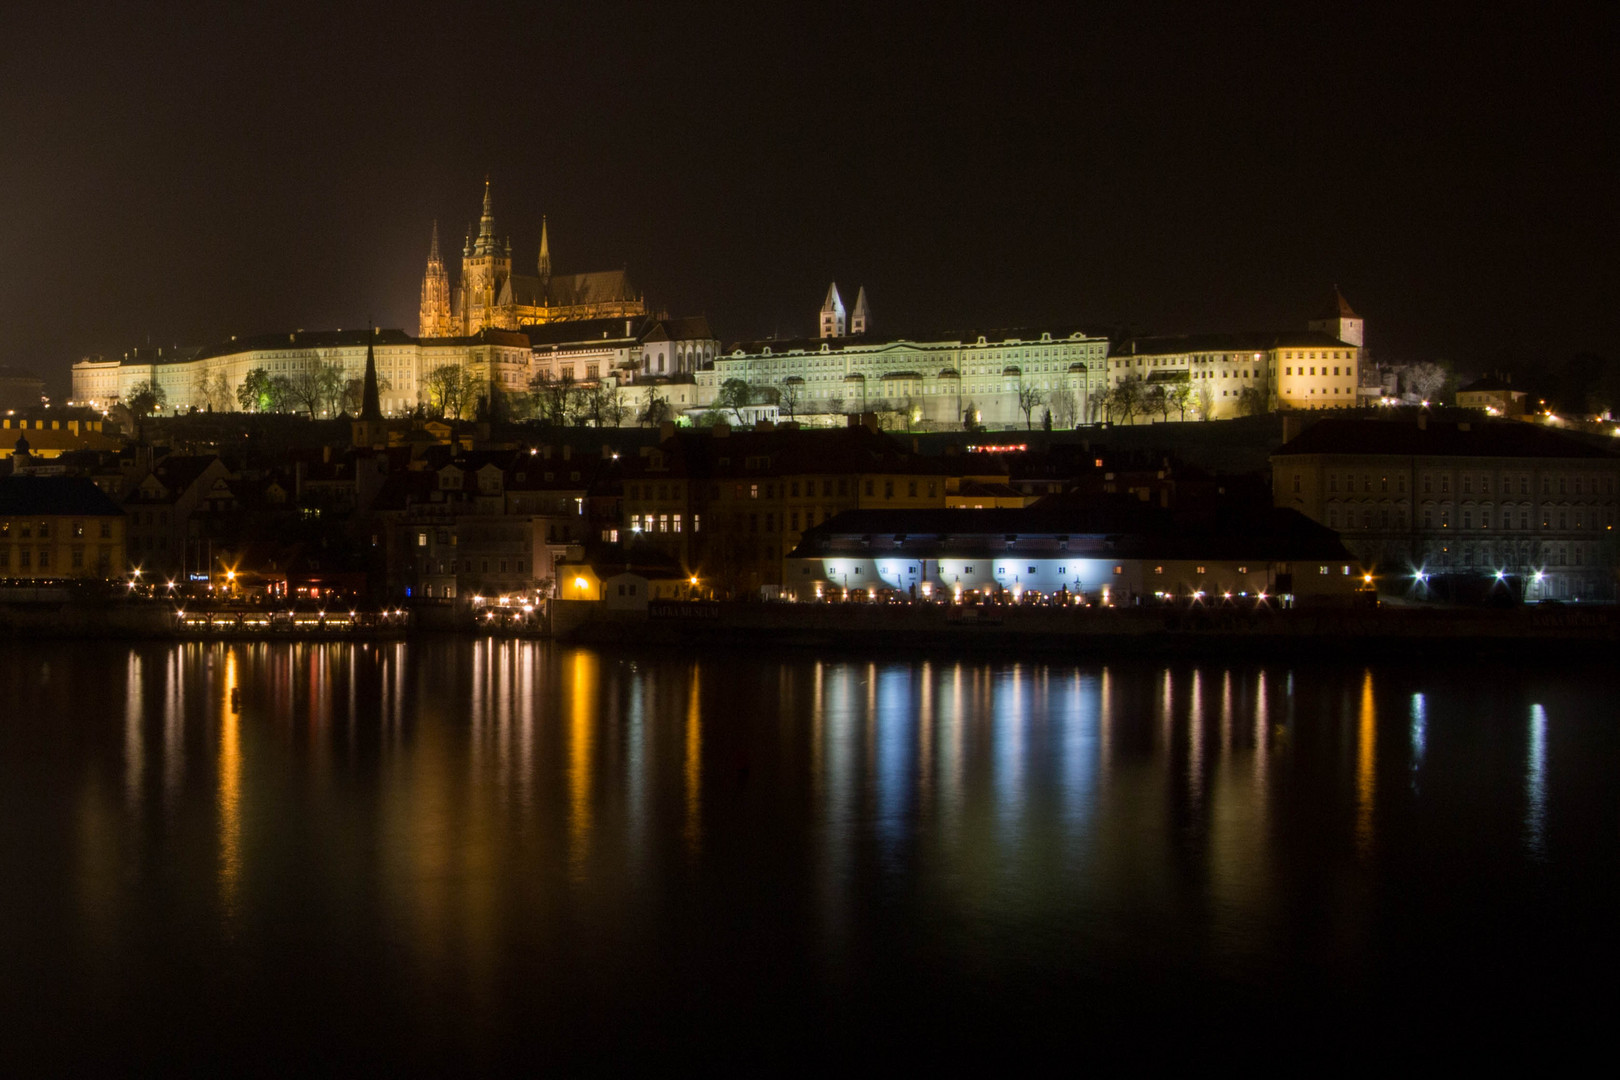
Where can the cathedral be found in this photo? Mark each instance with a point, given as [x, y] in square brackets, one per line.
[490, 296]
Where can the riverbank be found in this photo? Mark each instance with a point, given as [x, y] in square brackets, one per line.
[1356, 633]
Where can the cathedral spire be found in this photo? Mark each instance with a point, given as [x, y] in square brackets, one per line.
[433, 248]
[486, 223]
[861, 315]
[545, 253]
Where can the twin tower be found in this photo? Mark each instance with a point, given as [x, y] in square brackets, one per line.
[832, 314]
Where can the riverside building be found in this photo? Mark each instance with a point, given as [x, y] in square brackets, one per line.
[1487, 500]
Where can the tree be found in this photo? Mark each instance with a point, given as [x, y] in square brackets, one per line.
[1157, 399]
[654, 407]
[1205, 398]
[1252, 400]
[305, 390]
[211, 391]
[1424, 379]
[734, 394]
[144, 399]
[1030, 398]
[557, 399]
[1063, 409]
[280, 394]
[788, 394]
[354, 393]
[329, 386]
[1128, 397]
[616, 408]
[1179, 396]
[594, 402]
[448, 387]
[254, 393]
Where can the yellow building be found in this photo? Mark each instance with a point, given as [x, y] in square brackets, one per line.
[50, 433]
[54, 527]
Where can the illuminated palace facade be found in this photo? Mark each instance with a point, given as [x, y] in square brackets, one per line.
[1230, 375]
[195, 377]
[939, 382]
[489, 295]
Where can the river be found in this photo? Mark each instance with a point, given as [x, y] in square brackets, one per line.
[456, 855]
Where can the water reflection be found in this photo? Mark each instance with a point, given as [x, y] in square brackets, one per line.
[1366, 766]
[230, 788]
[469, 814]
[1535, 784]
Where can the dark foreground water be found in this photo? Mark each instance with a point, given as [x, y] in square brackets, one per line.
[458, 856]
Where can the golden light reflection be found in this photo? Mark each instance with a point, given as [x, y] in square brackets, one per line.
[230, 788]
[134, 737]
[693, 771]
[581, 749]
[1366, 759]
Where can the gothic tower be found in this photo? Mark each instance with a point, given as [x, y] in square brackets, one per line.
[832, 313]
[486, 264]
[1340, 321]
[861, 315]
[545, 257]
[434, 320]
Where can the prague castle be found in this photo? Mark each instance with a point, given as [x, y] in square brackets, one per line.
[489, 296]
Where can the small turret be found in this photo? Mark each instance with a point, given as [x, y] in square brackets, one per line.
[861, 315]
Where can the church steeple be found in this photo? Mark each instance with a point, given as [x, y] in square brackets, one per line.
[369, 429]
[861, 315]
[434, 317]
[545, 255]
[370, 405]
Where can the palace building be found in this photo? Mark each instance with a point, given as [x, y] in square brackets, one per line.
[490, 295]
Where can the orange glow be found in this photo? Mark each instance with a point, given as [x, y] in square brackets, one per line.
[230, 789]
[694, 768]
[581, 745]
[1366, 758]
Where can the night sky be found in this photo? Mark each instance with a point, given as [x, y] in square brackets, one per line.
[182, 176]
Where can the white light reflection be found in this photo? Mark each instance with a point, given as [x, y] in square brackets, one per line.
[1419, 734]
[1535, 784]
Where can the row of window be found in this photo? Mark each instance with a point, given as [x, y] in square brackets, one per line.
[1384, 518]
[27, 530]
[1469, 482]
[31, 559]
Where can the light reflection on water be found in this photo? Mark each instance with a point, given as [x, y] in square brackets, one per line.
[464, 818]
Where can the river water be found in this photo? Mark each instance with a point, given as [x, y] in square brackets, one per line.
[471, 854]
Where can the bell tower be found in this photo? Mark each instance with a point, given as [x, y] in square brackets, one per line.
[486, 264]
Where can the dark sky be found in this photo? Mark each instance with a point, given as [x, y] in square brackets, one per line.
[183, 174]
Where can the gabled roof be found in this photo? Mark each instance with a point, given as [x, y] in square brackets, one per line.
[47, 496]
[1339, 308]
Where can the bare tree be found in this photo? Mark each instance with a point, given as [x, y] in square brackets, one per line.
[1425, 379]
[448, 387]
[789, 392]
[211, 391]
[1205, 397]
[1030, 398]
[304, 390]
[1129, 396]
[1157, 399]
[1063, 408]
[354, 393]
[616, 408]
